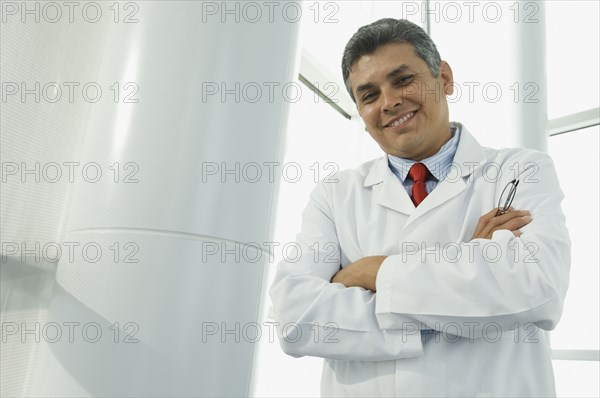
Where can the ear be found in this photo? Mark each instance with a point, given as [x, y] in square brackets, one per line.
[447, 78]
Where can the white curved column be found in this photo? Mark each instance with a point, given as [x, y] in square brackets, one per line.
[178, 212]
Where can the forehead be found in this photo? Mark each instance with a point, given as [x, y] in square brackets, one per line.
[374, 67]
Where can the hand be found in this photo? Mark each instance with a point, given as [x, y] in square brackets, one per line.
[361, 273]
[511, 220]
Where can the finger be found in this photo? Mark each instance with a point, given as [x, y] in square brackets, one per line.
[517, 223]
[483, 223]
[501, 219]
[518, 215]
[491, 214]
[514, 224]
[506, 221]
[490, 222]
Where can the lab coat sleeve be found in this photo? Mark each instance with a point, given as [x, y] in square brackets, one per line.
[318, 318]
[487, 285]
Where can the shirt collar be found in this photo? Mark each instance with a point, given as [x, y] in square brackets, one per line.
[438, 164]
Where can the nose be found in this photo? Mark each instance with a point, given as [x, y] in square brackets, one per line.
[391, 99]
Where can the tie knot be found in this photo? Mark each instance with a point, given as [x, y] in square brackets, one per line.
[418, 172]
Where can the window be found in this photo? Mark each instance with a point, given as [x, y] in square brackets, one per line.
[572, 51]
[573, 100]
[579, 328]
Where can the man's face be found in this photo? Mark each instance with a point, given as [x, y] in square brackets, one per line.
[403, 106]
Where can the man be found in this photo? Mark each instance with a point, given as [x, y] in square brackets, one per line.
[411, 282]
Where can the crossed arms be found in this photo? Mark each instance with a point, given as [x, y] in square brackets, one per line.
[363, 273]
[370, 302]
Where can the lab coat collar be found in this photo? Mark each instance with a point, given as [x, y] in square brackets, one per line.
[390, 192]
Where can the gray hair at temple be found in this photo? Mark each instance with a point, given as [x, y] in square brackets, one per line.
[388, 30]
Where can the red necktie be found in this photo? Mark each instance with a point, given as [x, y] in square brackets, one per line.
[418, 172]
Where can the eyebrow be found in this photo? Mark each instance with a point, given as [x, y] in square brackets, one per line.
[397, 71]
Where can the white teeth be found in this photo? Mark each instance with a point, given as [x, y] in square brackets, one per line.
[402, 120]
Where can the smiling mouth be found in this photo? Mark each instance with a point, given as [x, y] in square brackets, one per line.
[403, 120]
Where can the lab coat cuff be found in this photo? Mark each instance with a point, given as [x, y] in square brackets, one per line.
[383, 304]
[383, 284]
[386, 318]
[411, 342]
[502, 235]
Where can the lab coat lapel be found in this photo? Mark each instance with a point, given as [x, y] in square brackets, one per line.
[469, 156]
[387, 188]
[389, 192]
[393, 195]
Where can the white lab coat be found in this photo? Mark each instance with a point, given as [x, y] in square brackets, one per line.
[490, 301]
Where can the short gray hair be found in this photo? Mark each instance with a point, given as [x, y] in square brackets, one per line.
[388, 30]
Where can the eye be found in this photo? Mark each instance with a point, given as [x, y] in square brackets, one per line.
[368, 97]
[403, 80]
